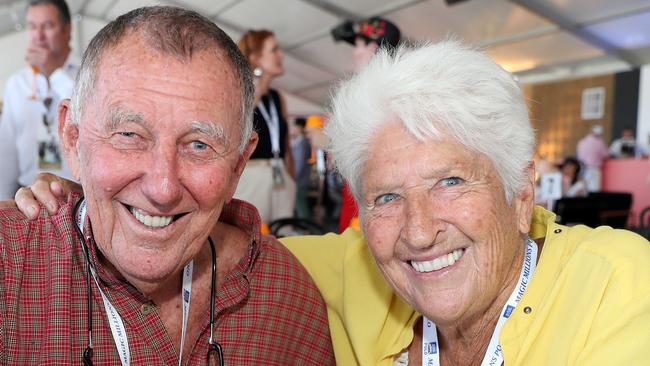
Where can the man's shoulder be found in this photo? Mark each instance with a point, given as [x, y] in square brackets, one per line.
[17, 232]
[11, 216]
[276, 266]
[274, 254]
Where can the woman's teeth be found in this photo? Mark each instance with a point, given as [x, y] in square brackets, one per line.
[438, 263]
[152, 221]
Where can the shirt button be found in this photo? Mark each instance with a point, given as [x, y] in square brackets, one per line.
[147, 309]
[557, 231]
[528, 310]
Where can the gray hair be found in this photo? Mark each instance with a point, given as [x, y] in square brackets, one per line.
[434, 90]
[170, 31]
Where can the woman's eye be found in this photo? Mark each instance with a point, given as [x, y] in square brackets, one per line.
[386, 198]
[452, 181]
[127, 134]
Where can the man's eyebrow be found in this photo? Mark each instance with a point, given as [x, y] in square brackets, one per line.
[119, 116]
[212, 129]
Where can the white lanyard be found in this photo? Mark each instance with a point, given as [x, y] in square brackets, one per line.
[273, 123]
[494, 354]
[186, 295]
[115, 320]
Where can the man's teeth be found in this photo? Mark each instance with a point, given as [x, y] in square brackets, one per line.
[152, 221]
[438, 263]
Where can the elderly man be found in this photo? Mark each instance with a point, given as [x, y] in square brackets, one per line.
[139, 270]
[28, 140]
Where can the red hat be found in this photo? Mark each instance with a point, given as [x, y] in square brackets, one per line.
[374, 29]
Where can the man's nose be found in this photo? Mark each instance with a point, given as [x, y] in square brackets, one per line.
[40, 33]
[162, 184]
[421, 223]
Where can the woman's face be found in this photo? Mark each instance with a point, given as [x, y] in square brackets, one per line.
[438, 224]
[270, 58]
[569, 170]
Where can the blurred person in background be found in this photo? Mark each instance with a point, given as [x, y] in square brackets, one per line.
[591, 152]
[268, 180]
[624, 146]
[301, 151]
[572, 183]
[28, 129]
[367, 37]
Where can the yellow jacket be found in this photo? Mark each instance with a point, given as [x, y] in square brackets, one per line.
[589, 299]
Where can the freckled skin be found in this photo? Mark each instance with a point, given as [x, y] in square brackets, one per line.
[161, 166]
[424, 199]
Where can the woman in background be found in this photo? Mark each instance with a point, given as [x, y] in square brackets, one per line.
[267, 181]
[572, 185]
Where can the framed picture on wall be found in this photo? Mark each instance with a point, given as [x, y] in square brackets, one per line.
[593, 103]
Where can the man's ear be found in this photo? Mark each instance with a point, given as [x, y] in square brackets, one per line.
[241, 162]
[246, 154]
[69, 136]
[525, 200]
[67, 28]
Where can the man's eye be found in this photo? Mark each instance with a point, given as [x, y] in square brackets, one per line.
[452, 181]
[198, 145]
[127, 134]
[386, 198]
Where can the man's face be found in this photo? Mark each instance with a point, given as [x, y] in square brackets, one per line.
[157, 156]
[363, 52]
[627, 134]
[46, 29]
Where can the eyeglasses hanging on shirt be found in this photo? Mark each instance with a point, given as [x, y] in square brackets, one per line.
[273, 123]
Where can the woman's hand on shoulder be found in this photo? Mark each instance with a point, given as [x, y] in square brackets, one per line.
[47, 190]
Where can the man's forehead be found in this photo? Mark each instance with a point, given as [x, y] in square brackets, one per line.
[164, 50]
[48, 11]
[133, 53]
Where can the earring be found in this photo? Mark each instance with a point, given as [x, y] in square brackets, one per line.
[258, 71]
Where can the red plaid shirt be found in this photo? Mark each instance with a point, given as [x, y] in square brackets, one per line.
[268, 312]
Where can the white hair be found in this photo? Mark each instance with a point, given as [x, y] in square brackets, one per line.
[434, 90]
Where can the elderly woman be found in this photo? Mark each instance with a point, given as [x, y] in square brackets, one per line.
[437, 147]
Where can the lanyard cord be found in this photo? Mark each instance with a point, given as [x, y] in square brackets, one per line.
[79, 215]
[494, 353]
[273, 124]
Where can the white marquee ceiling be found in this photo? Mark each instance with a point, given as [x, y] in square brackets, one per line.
[537, 39]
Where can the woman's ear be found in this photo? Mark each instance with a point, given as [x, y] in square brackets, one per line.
[525, 200]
